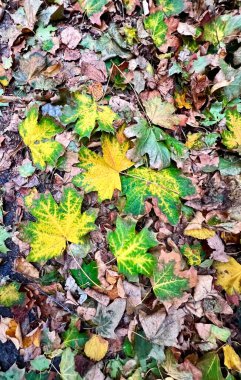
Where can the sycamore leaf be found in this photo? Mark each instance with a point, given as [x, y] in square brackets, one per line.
[96, 348]
[229, 276]
[151, 140]
[87, 276]
[220, 28]
[92, 7]
[72, 337]
[86, 114]
[210, 367]
[195, 228]
[161, 113]
[4, 235]
[231, 138]
[38, 136]
[231, 358]
[57, 224]
[192, 253]
[102, 174]
[67, 365]
[167, 185]
[167, 284]
[171, 7]
[130, 248]
[157, 27]
[9, 295]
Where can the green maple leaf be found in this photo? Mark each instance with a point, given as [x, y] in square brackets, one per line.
[231, 138]
[167, 284]
[171, 7]
[151, 140]
[86, 114]
[38, 136]
[193, 253]
[4, 235]
[10, 295]
[57, 224]
[167, 185]
[220, 28]
[130, 248]
[92, 7]
[157, 27]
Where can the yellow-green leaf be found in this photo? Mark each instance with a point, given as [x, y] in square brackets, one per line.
[161, 113]
[10, 295]
[86, 114]
[192, 253]
[92, 7]
[157, 27]
[96, 348]
[102, 173]
[231, 138]
[38, 136]
[130, 248]
[57, 224]
[167, 185]
[171, 7]
[221, 27]
[229, 276]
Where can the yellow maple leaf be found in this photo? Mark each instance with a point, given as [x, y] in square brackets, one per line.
[96, 348]
[180, 99]
[57, 224]
[195, 228]
[100, 171]
[229, 276]
[231, 358]
[232, 136]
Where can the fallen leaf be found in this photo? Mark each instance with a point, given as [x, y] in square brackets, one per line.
[161, 113]
[71, 37]
[229, 276]
[195, 228]
[96, 348]
[231, 358]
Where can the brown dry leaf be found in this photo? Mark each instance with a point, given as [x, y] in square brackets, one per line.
[195, 228]
[23, 266]
[33, 338]
[217, 245]
[31, 8]
[10, 330]
[92, 67]
[71, 37]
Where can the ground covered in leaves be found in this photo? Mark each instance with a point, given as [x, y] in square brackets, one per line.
[120, 136]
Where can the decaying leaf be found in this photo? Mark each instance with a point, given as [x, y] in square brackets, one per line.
[130, 248]
[167, 185]
[192, 253]
[161, 113]
[196, 229]
[38, 136]
[86, 114]
[96, 348]
[102, 174]
[4, 235]
[57, 224]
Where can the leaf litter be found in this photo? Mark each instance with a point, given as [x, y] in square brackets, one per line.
[120, 190]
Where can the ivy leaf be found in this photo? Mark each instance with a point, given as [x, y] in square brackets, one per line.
[220, 28]
[171, 7]
[87, 276]
[57, 224]
[167, 185]
[231, 138]
[67, 365]
[229, 276]
[40, 363]
[86, 114]
[161, 113]
[4, 235]
[167, 284]
[96, 348]
[92, 7]
[192, 253]
[13, 373]
[102, 174]
[210, 367]
[151, 140]
[38, 136]
[10, 295]
[157, 27]
[130, 248]
[72, 337]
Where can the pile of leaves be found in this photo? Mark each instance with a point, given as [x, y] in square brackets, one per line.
[120, 203]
